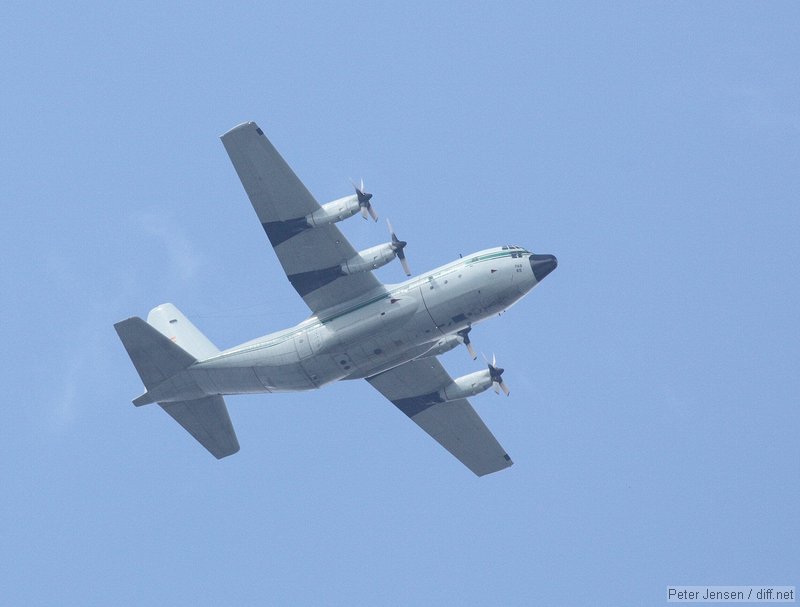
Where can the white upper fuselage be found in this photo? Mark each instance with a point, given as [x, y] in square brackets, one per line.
[388, 327]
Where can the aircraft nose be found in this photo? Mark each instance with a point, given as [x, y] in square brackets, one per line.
[542, 265]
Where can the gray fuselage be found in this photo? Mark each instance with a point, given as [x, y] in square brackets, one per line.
[386, 328]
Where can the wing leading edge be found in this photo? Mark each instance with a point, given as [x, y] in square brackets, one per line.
[454, 425]
[311, 257]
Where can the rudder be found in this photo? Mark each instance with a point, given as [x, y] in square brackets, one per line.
[173, 324]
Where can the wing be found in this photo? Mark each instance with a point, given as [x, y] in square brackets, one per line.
[311, 257]
[455, 425]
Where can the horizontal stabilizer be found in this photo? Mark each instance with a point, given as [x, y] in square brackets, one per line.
[208, 421]
[155, 356]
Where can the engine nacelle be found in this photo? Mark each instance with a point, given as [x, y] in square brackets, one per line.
[335, 211]
[369, 259]
[467, 385]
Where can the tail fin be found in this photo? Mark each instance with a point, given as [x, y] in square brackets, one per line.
[170, 322]
[158, 358]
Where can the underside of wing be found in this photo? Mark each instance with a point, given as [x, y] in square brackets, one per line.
[455, 425]
[311, 256]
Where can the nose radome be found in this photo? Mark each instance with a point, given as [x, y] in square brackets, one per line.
[542, 265]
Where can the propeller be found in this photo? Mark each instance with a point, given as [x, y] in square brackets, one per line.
[496, 373]
[364, 201]
[463, 337]
[398, 246]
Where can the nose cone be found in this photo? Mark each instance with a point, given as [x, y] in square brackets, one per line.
[542, 265]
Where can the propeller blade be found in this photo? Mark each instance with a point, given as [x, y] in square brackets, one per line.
[363, 200]
[463, 337]
[404, 263]
[398, 246]
[496, 374]
[471, 351]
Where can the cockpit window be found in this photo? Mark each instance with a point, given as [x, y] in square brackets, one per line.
[519, 251]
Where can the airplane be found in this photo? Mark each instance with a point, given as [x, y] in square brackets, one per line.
[359, 328]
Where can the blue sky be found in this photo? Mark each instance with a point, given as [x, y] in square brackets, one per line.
[653, 417]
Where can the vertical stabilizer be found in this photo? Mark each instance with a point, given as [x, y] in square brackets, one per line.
[171, 322]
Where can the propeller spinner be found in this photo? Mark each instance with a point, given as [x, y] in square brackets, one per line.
[364, 201]
[496, 373]
[398, 246]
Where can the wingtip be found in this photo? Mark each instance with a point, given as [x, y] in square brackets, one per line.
[252, 126]
[227, 452]
[144, 399]
[507, 463]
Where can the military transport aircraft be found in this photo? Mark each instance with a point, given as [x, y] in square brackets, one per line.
[389, 335]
